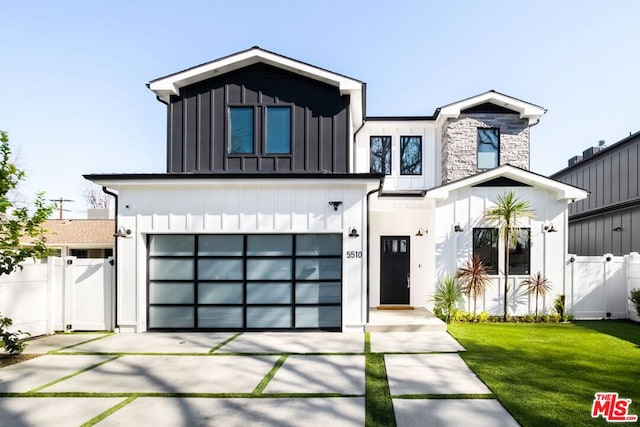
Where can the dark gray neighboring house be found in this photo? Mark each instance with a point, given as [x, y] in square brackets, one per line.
[608, 221]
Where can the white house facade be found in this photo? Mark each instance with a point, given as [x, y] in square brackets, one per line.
[284, 207]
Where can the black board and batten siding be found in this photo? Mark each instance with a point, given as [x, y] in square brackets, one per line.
[608, 221]
[197, 124]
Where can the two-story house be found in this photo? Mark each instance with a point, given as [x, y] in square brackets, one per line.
[285, 207]
[607, 221]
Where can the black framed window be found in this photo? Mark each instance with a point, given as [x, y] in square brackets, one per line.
[278, 130]
[241, 140]
[380, 155]
[485, 246]
[520, 253]
[488, 148]
[239, 282]
[410, 155]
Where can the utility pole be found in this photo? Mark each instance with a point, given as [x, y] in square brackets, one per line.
[60, 203]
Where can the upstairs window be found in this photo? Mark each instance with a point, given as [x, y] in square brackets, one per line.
[410, 155]
[488, 148]
[241, 130]
[275, 136]
[278, 129]
[380, 155]
[485, 246]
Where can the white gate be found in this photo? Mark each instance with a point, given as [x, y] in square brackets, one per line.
[82, 293]
[597, 287]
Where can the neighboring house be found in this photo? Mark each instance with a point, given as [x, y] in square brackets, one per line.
[285, 207]
[82, 238]
[608, 221]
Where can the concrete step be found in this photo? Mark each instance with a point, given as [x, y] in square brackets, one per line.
[418, 319]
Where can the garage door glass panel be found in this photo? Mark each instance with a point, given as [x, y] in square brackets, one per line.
[269, 293]
[269, 317]
[318, 268]
[317, 317]
[318, 293]
[170, 293]
[178, 245]
[220, 269]
[220, 317]
[220, 293]
[171, 269]
[244, 281]
[269, 245]
[269, 269]
[221, 245]
[171, 317]
[319, 244]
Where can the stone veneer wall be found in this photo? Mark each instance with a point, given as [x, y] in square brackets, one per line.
[460, 140]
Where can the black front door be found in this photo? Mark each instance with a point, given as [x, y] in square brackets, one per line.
[394, 270]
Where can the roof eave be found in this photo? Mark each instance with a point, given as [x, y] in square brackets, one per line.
[164, 87]
[563, 191]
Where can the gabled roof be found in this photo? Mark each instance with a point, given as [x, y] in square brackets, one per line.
[169, 85]
[563, 191]
[527, 110]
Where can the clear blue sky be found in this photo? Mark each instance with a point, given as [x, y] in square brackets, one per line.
[73, 73]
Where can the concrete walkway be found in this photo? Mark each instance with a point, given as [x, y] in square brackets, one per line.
[268, 379]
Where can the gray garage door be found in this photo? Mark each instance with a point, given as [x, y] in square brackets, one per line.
[244, 282]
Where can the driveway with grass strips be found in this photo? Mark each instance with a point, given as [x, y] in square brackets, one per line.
[269, 379]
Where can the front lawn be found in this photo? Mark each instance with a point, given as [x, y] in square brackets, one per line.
[547, 374]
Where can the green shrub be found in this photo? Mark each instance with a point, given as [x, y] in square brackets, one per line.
[635, 299]
[447, 298]
[13, 342]
[483, 316]
[558, 306]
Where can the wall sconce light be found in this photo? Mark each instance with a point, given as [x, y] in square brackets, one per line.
[617, 228]
[572, 259]
[335, 204]
[549, 228]
[608, 258]
[354, 232]
[122, 232]
[457, 228]
[421, 232]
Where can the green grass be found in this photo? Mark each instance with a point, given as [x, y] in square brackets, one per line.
[547, 374]
[378, 403]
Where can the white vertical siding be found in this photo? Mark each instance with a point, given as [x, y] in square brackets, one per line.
[236, 206]
[548, 250]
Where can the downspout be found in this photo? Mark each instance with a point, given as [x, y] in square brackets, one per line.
[375, 190]
[115, 258]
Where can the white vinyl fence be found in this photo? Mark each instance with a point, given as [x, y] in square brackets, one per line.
[598, 287]
[67, 294]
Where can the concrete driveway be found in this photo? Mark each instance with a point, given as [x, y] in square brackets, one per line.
[264, 379]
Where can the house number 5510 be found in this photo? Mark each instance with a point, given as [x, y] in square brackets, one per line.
[354, 254]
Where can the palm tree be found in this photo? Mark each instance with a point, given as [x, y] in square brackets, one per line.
[506, 215]
[474, 279]
[446, 298]
[538, 285]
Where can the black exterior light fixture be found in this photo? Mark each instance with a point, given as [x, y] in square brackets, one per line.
[618, 228]
[335, 204]
[122, 232]
[457, 228]
[354, 232]
[549, 228]
[421, 232]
